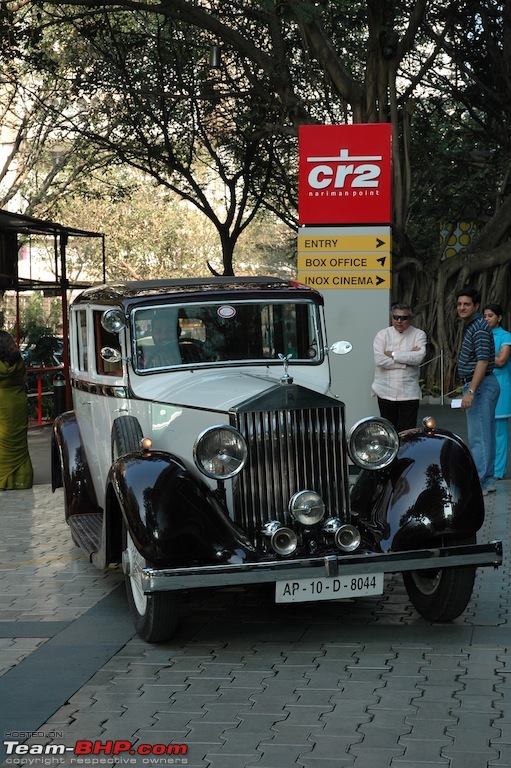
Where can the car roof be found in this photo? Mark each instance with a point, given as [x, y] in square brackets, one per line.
[146, 292]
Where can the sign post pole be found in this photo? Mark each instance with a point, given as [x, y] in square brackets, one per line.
[345, 245]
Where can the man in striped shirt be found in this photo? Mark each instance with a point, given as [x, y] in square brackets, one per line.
[480, 387]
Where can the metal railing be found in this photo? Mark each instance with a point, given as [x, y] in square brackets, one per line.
[442, 394]
[44, 387]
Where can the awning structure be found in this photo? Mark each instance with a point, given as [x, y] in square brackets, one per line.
[12, 225]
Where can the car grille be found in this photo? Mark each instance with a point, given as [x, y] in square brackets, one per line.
[290, 449]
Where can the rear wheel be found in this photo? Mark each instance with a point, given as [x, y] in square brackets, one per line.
[156, 615]
[443, 594]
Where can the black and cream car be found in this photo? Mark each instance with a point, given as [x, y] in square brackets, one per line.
[204, 449]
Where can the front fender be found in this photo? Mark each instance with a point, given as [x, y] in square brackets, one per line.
[432, 490]
[173, 517]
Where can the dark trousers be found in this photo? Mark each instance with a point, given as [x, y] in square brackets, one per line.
[401, 413]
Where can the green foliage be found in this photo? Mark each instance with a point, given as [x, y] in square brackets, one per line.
[34, 322]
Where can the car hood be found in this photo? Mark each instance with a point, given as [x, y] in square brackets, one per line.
[204, 389]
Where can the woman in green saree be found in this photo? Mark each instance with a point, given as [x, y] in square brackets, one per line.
[15, 464]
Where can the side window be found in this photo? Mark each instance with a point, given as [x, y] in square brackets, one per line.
[81, 339]
[105, 339]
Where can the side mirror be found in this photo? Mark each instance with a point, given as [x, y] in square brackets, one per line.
[341, 347]
[110, 355]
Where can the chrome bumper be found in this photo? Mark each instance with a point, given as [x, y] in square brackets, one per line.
[170, 579]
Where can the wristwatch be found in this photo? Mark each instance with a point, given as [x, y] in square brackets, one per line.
[470, 392]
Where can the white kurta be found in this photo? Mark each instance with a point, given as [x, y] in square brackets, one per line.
[397, 378]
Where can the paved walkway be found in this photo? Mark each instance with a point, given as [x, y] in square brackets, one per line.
[245, 683]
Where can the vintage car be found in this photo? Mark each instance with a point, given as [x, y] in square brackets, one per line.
[204, 450]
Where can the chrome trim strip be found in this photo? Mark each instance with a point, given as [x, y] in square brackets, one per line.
[94, 388]
[170, 579]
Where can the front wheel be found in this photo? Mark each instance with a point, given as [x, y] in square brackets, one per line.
[443, 594]
[155, 616]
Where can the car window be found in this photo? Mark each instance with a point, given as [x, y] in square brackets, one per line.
[233, 331]
[81, 339]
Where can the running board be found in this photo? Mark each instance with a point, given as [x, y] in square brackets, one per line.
[86, 531]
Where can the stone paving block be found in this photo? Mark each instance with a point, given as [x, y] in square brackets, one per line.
[438, 693]
[428, 728]
[358, 690]
[103, 703]
[376, 735]
[410, 652]
[182, 701]
[293, 671]
[374, 757]
[446, 661]
[275, 754]
[304, 716]
[471, 760]
[428, 710]
[424, 749]
[313, 697]
[350, 708]
[240, 696]
[206, 685]
[478, 687]
[324, 681]
[272, 701]
[214, 759]
[341, 650]
[330, 747]
[483, 704]
[217, 668]
[254, 722]
[370, 660]
[402, 762]
[408, 684]
[501, 732]
[280, 733]
[253, 680]
[387, 699]
[234, 741]
[209, 736]
[179, 721]
[432, 676]
[503, 751]
[465, 740]
[224, 713]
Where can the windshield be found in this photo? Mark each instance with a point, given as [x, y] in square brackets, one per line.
[191, 334]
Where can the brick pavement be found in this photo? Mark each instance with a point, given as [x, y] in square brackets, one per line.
[246, 683]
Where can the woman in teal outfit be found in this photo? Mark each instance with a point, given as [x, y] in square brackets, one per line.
[15, 465]
[492, 313]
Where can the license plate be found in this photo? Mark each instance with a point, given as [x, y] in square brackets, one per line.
[328, 588]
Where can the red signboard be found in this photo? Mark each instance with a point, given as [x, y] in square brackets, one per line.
[344, 174]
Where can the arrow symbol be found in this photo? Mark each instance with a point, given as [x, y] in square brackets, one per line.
[379, 242]
[379, 280]
[382, 260]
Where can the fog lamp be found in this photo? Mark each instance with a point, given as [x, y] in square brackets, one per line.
[307, 507]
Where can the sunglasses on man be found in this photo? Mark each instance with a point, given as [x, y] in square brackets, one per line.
[401, 318]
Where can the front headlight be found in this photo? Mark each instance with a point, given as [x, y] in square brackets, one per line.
[220, 452]
[373, 443]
